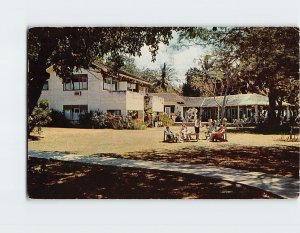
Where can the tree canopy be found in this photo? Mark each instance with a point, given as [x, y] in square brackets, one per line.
[72, 48]
[240, 59]
[260, 59]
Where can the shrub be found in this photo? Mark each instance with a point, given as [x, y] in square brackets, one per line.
[85, 120]
[99, 120]
[267, 128]
[139, 125]
[94, 119]
[165, 120]
[179, 119]
[126, 122]
[58, 119]
[40, 117]
[121, 122]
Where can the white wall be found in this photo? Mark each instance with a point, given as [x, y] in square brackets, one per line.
[113, 101]
[178, 107]
[157, 103]
[57, 97]
[134, 101]
[95, 97]
[123, 86]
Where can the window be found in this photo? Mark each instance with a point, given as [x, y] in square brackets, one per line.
[73, 112]
[169, 109]
[46, 86]
[114, 112]
[77, 82]
[107, 83]
[132, 87]
[110, 84]
[114, 85]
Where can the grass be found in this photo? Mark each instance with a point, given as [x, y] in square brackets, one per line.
[247, 151]
[92, 141]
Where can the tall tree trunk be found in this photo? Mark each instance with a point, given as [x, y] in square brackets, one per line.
[224, 100]
[272, 106]
[163, 77]
[34, 90]
[280, 110]
[222, 121]
[37, 74]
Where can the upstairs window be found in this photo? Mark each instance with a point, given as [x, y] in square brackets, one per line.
[110, 84]
[77, 82]
[132, 87]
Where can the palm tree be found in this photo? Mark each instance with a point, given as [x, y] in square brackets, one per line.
[167, 75]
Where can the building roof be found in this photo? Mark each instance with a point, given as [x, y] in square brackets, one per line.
[231, 100]
[241, 100]
[169, 97]
[193, 101]
[121, 74]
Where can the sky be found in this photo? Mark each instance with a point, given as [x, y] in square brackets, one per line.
[181, 60]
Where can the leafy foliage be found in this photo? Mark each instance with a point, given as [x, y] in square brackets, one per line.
[148, 111]
[258, 60]
[126, 122]
[167, 74]
[165, 119]
[58, 120]
[73, 48]
[100, 120]
[271, 58]
[40, 117]
[191, 87]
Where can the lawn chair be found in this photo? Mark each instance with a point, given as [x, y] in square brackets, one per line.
[170, 139]
[193, 137]
[218, 136]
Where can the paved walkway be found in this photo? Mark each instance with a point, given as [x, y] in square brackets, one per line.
[283, 186]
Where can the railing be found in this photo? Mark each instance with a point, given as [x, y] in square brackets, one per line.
[134, 94]
[126, 92]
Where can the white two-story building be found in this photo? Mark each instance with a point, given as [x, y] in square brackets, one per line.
[98, 89]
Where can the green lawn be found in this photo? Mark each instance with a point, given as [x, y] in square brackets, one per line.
[247, 151]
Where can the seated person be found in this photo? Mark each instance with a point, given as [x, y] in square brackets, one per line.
[217, 135]
[186, 133]
[180, 134]
[169, 134]
[211, 128]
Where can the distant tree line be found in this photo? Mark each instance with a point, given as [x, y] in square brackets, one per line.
[262, 60]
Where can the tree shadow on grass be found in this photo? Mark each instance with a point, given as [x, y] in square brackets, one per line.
[281, 160]
[68, 180]
[265, 130]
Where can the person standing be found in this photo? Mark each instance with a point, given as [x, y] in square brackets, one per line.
[197, 127]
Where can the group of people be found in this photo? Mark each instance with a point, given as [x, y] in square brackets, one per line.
[182, 135]
[212, 132]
